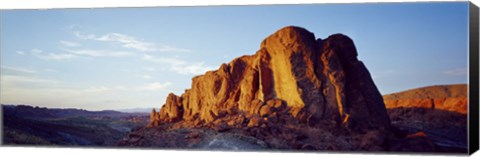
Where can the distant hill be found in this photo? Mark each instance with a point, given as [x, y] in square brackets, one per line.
[429, 92]
[441, 97]
[28, 125]
[137, 110]
[25, 111]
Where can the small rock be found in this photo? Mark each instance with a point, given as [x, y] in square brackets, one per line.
[373, 139]
[222, 127]
[417, 142]
[265, 111]
[308, 147]
[276, 104]
[254, 121]
[192, 135]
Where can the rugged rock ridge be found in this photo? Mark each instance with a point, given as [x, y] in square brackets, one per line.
[292, 74]
[441, 97]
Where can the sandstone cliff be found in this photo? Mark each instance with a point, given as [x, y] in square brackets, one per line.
[299, 93]
[292, 74]
[442, 97]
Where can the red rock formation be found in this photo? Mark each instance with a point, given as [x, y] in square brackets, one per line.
[447, 97]
[291, 74]
[172, 110]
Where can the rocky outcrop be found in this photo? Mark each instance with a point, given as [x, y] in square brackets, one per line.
[299, 93]
[451, 98]
[292, 74]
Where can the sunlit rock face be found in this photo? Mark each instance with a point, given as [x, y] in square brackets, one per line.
[293, 74]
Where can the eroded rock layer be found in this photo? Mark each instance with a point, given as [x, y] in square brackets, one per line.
[451, 98]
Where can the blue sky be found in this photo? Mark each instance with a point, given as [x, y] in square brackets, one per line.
[121, 58]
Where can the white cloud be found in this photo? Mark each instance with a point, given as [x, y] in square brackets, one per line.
[130, 42]
[156, 86]
[17, 69]
[166, 60]
[127, 41]
[52, 56]
[84, 36]
[36, 51]
[19, 84]
[166, 48]
[74, 26]
[69, 43]
[456, 72]
[148, 68]
[99, 53]
[180, 66]
[6, 79]
[146, 76]
[22, 70]
[195, 68]
[97, 89]
[72, 54]
[104, 89]
[57, 56]
[20, 52]
[41, 92]
[50, 70]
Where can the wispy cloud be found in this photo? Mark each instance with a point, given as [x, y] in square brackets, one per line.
[180, 66]
[17, 69]
[127, 41]
[130, 42]
[81, 35]
[57, 56]
[50, 56]
[456, 72]
[156, 86]
[69, 50]
[50, 70]
[45, 92]
[20, 52]
[6, 79]
[73, 54]
[99, 53]
[165, 60]
[194, 68]
[146, 76]
[69, 43]
[36, 51]
[97, 89]
[104, 89]
[74, 26]
[148, 68]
